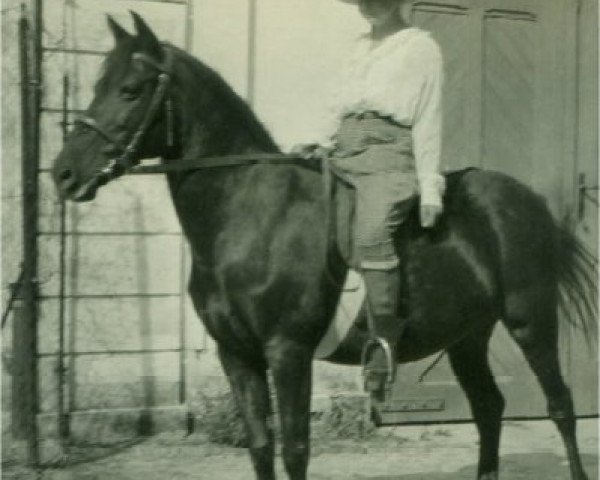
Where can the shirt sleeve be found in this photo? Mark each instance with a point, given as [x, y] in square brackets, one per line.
[427, 122]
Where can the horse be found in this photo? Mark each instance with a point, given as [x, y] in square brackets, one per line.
[266, 278]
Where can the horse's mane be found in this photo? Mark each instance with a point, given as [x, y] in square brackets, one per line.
[233, 112]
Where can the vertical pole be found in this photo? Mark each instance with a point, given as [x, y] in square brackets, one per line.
[63, 415]
[183, 371]
[31, 76]
[20, 350]
[184, 384]
[18, 370]
[189, 25]
[252, 18]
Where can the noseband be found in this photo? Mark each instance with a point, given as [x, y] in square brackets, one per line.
[127, 153]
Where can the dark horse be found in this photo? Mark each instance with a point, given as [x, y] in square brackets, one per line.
[257, 231]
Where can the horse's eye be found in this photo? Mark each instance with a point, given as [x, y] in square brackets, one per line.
[131, 92]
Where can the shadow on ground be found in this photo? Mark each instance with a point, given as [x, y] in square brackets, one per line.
[76, 453]
[530, 466]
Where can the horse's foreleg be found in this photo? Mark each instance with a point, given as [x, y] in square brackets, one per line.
[251, 391]
[470, 364]
[291, 365]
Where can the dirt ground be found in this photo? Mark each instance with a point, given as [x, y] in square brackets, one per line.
[530, 450]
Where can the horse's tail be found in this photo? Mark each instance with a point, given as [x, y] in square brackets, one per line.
[576, 271]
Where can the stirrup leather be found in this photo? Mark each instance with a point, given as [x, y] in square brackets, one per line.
[390, 361]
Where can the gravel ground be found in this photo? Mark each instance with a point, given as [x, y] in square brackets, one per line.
[530, 450]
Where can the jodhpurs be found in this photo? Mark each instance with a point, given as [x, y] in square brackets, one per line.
[383, 201]
[375, 155]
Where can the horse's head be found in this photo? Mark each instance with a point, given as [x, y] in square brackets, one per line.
[129, 118]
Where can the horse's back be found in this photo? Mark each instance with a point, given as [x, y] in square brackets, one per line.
[513, 226]
[518, 220]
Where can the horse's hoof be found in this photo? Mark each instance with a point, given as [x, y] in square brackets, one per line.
[580, 476]
[488, 476]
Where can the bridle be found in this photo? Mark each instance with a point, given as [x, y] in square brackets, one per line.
[127, 161]
[127, 158]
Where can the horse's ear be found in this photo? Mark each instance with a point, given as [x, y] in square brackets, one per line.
[118, 31]
[148, 40]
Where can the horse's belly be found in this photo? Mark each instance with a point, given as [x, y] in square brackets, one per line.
[431, 325]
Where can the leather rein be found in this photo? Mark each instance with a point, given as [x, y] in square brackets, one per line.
[127, 161]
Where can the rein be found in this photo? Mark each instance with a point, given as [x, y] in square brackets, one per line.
[238, 160]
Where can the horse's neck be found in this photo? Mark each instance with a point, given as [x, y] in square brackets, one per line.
[221, 143]
[201, 196]
[217, 205]
[217, 122]
[220, 125]
[214, 134]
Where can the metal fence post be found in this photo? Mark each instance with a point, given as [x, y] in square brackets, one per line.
[26, 327]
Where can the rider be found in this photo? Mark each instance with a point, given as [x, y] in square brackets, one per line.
[385, 137]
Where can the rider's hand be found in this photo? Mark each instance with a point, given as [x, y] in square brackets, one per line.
[429, 215]
[309, 151]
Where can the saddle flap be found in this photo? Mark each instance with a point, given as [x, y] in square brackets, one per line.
[342, 212]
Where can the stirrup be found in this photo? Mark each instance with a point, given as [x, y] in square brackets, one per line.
[390, 361]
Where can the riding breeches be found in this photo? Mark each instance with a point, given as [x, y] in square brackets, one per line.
[383, 201]
[375, 156]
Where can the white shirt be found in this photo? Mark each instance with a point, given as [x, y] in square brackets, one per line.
[401, 77]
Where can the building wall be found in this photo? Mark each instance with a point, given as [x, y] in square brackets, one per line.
[11, 169]
[11, 146]
[587, 98]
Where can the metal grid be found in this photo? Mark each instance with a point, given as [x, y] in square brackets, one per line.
[35, 53]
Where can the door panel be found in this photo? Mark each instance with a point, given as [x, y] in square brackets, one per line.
[584, 361]
[450, 26]
[509, 95]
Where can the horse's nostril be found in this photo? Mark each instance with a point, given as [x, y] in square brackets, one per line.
[65, 174]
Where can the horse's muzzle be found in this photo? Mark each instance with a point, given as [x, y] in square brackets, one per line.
[85, 193]
[70, 189]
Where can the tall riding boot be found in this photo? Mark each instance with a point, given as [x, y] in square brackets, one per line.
[379, 356]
